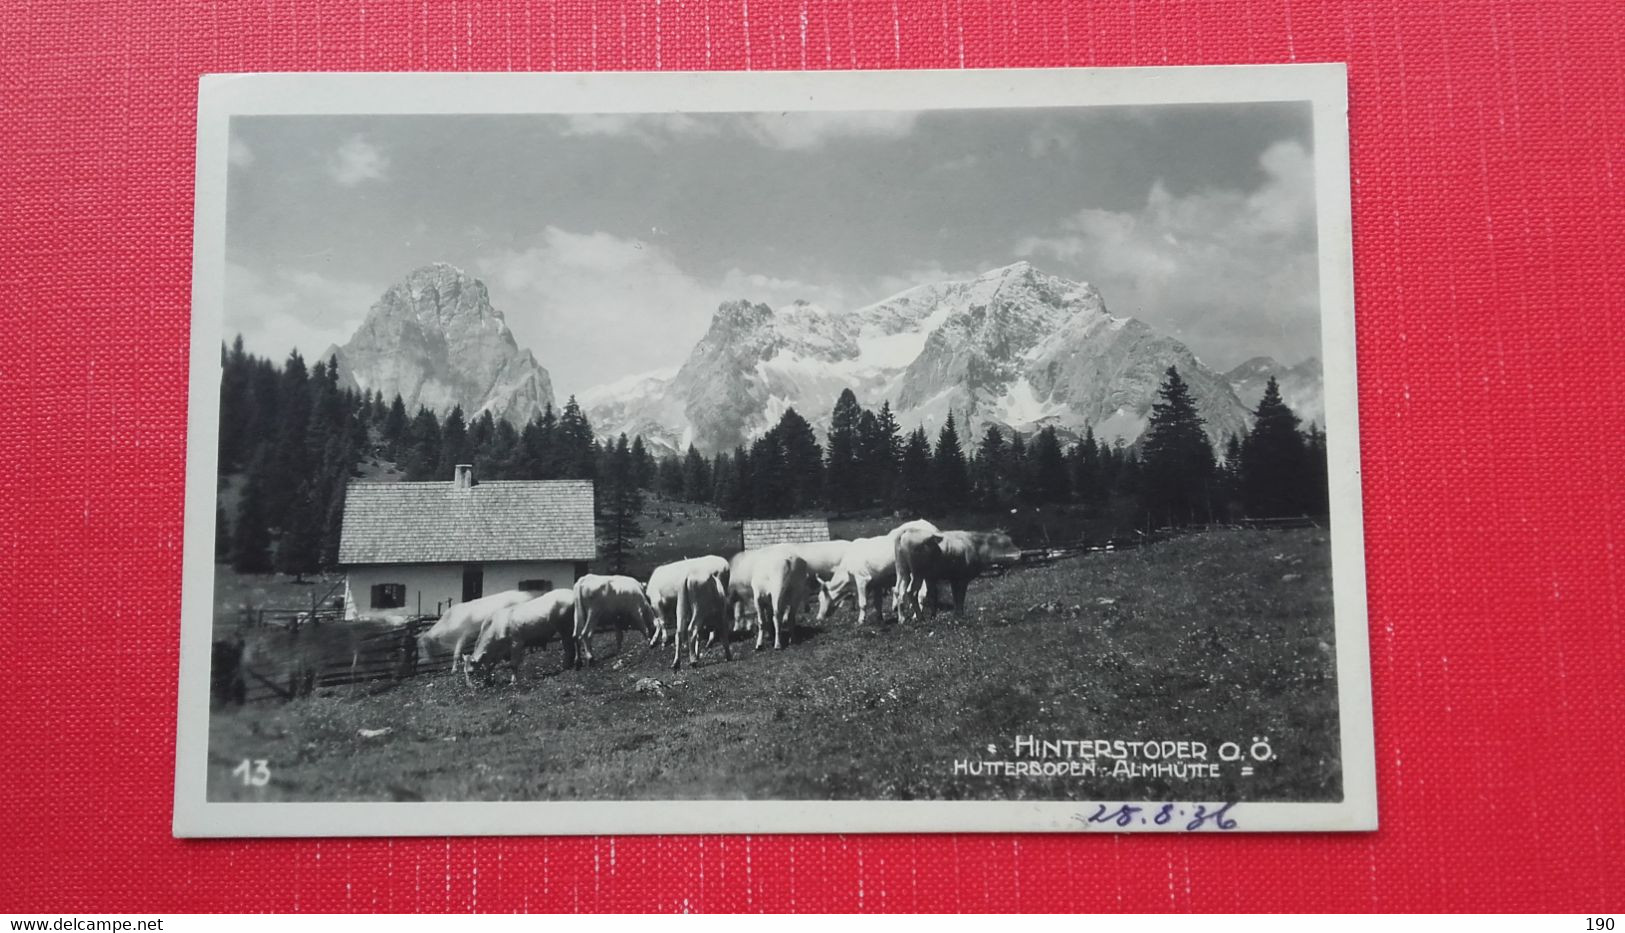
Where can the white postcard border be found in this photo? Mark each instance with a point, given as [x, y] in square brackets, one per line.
[224, 96]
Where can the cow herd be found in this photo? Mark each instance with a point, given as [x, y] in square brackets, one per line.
[698, 601]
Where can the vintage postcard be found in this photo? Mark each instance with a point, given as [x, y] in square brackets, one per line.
[791, 452]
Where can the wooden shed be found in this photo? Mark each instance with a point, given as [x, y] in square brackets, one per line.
[757, 533]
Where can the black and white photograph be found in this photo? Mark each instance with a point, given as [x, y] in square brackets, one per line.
[745, 453]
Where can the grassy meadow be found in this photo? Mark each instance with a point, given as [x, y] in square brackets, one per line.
[1217, 636]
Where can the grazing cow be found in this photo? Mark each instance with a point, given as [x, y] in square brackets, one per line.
[612, 600]
[822, 557]
[702, 609]
[460, 625]
[511, 631]
[918, 533]
[867, 570]
[666, 584]
[953, 556]
[778, 583]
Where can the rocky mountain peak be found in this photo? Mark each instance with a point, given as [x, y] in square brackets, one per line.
[434, 339]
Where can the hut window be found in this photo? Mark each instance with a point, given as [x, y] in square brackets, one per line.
[536, 586]
[388, 595]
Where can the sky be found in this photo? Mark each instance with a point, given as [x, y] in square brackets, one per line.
[608, 240]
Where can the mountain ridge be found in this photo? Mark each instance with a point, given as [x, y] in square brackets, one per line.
[1012, 347]
[434, 339]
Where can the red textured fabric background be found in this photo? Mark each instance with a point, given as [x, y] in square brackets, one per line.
[1488, 155]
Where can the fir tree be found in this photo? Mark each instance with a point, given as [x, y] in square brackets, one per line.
[643, 464]
[949, 470]
[670, 477]
[577, 448]
[1088, 479]
[619, 500]
[1317, 492]
[803, 479]
[915, 490]
[394, 429]
[767, 480]
[250, 538]
[1274, 460]
[725, 485]
[1051, 486]
[421, 460]
[1177, 467]
[299, 549]
[990, 465]
[697, 482]
[454, 444]
[844, 484]
[883, 451]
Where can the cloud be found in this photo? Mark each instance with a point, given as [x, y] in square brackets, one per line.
[357, 161]
[595, 307]
[813, 129]
[800, 130]
[283, 310]
[239, 154]
[651, 129]
[1233, 273]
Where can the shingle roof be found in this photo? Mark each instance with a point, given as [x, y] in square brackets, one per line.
[764, 532]
[412, 523]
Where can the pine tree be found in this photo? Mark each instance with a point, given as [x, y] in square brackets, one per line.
[697, 481]
[803, 461]
[669, 475]
[915, 488]
[421, 460]
[619, 499]
[289, 455]
[454, 444]
[883, 447]
[643, 463]
[767, 479]
[577, 448]
[1088, 479]
[735, 501]
[1275, 473]
[250, 538]
[1317, 492]
[1018, 479]
[1177, 468]
[1228, 484]
[844, 484]
[394, 429]
[299, 548]
[990, 466]
[949, 470]
[1051, 485]
[725, 485]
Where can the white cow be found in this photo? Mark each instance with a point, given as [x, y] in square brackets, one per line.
[460, 625]
[867, 570]
[778, 583]
[822, 557]
[666, 584]
[511, 631]
[702, 609]
[915, 533]
[954, 557]
[612, 600]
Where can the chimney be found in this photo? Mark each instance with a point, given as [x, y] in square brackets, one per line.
[465, 476]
